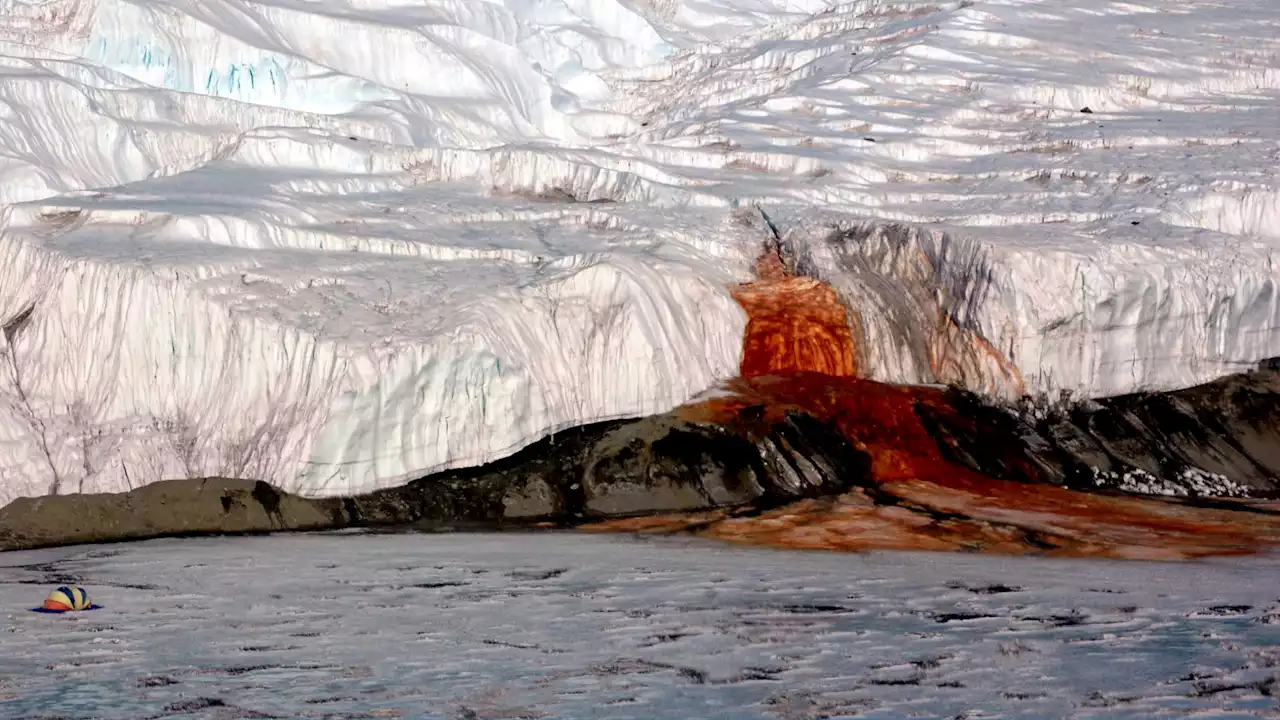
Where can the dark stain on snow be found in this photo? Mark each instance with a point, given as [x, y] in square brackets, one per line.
[537, 574]
[959, 616]
[993, 589]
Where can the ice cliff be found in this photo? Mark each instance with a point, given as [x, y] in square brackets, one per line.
[339, 244]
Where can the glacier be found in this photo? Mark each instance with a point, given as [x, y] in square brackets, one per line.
[339, 244]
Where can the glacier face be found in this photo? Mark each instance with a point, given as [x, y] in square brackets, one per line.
[336, 244]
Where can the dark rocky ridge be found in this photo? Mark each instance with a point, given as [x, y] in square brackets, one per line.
[594, 472]
[1229, 427]
[753, 462]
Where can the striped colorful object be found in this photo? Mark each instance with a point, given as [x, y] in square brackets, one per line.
[67, 597]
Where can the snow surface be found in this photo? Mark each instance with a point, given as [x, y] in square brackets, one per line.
[336, 245]
[576, 626]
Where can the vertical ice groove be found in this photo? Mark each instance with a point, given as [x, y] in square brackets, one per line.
[1104, 322]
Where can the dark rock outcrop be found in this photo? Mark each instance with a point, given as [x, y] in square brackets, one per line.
[173, 507]
[1217, 439]
[606, 470]
[929, 457]
[949, 471]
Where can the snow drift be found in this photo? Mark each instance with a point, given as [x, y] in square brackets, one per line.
[336, 245]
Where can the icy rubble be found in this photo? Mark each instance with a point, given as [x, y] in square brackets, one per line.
[1192, 481]
[336, 245]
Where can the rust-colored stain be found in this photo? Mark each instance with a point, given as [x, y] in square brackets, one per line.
[799, 356]
[853, 522]
[957, 355]
[793, 324]
[924, 501]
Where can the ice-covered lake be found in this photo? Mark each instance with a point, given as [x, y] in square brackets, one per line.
[586, 626]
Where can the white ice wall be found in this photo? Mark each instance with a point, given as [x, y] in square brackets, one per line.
[147, 355]
[1089, 319]
[339, 244]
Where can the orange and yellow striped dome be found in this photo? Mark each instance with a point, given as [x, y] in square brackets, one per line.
[67, 597]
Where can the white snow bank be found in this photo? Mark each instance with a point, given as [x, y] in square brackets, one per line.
[339, 244]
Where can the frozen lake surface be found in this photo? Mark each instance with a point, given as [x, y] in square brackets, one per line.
[584, 626]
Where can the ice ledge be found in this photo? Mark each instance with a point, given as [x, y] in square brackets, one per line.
[132, 354]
